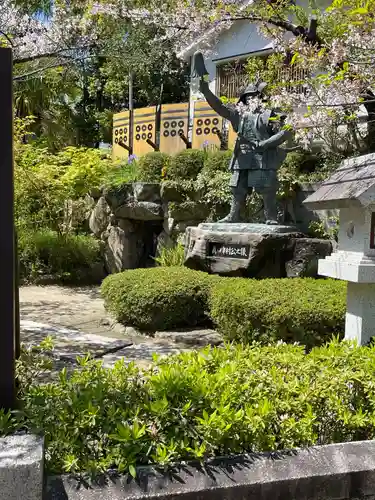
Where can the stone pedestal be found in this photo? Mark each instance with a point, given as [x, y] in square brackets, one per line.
[359, 271]
[360, 312]
[253, 250]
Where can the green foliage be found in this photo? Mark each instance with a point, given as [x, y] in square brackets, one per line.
[171, 257]
[85, 170]
[214, 187]
[151, 166]
[293, 310]
[180, 190]
[327, 230]
[217, 161]
[45, 181]
[301, 310]
[159, 298]
[125, 172]
[66, 258]
[186, 165]
[197, 405]
[306, 167]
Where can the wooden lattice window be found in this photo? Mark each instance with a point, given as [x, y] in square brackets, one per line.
[231, 78]
[292, 78]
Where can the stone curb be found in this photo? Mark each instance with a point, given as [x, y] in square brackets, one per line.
[332, 472]
[21, 467]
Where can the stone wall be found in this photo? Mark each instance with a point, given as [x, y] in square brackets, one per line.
[333, 472]
[136, 220]
[300, 214]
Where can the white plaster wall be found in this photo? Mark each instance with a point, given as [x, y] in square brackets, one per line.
[241, 39]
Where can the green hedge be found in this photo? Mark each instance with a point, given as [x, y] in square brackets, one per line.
[150, 166]
[186, 165]
[302, 310]
[66, 258]
[218, 161]
[294, 310]
[201, 404]
[158, 298]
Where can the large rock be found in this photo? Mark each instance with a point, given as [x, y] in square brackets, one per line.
[100, 217]
[252, 250]
[130, 244]
[306, 253]
[116, 196]
[188, 211]
[147, 192]
[119, 251]
[140, 210]
[21, 467]
[172, 192]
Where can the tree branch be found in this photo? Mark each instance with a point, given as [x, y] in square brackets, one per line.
[280, 23]
[48, 55]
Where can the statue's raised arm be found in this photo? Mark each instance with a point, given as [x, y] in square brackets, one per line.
[200, 71]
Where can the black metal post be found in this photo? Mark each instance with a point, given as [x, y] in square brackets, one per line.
[17, 327]
[7, 257]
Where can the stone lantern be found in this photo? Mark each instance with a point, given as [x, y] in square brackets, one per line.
[351, 189]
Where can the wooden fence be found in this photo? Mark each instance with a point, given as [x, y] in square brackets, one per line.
[173, 129]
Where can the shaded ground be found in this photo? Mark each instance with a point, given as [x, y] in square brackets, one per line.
[77, 321]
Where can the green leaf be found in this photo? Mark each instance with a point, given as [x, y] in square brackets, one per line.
[294, 58]
[359, 11]
[132, 471]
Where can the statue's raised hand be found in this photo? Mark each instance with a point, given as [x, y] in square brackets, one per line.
[199, 68]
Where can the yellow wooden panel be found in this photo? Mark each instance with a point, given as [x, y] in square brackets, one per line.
[173, 123]
[205, 124]
[143, 129]
[120, 133]
[232, 136]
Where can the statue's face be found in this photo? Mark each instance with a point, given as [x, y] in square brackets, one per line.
[249, 98]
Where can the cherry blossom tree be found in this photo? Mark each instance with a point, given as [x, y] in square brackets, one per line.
[334, 47]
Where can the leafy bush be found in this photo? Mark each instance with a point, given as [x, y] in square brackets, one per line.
[309, 167]
[125, 172]
[171, 257]
[151, 166]
[293, 310]
[217, 161]
[45, 181]
[158, 298]
[327, 229]
[67, 258]
[85, 169]
[179, 190]
[198, 405]
[186, 165]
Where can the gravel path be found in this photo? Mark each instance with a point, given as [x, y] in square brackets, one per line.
[77, 321]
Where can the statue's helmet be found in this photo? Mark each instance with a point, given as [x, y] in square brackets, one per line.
[253, 89]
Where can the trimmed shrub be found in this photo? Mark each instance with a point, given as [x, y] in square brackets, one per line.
[198, 405]
[151, 166]
[186, 165]
[218, 161]
[293, 310]
[159, 298]
[66, 258]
